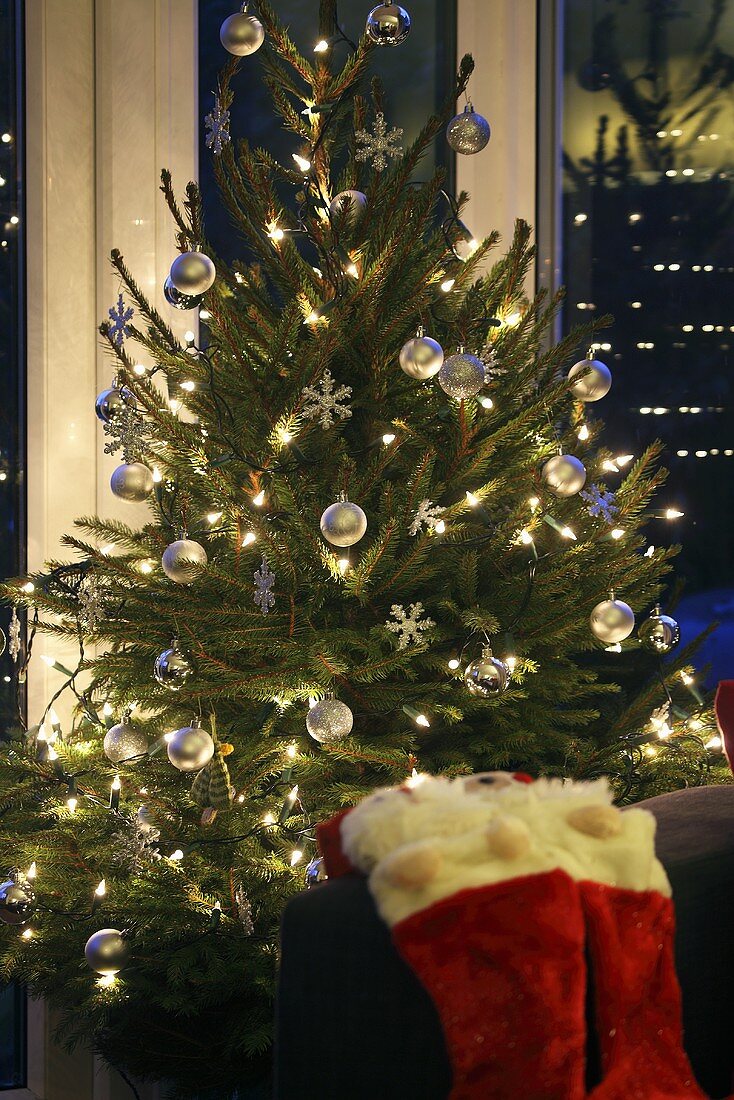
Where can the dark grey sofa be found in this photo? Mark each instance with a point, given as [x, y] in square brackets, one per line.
[353, 1022]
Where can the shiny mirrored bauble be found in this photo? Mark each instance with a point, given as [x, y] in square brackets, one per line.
[349, 205]
[106, 951]
[111, 400]
[487, 676]
[172, 668]
[17, 902]
[343, 523]
[315, 872]
[659, 633]
[178, 300]
[388, 25]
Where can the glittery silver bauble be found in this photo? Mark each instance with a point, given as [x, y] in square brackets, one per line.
[111, 400]
[343, 523]
[190, 749]
[329, 720]
[17, 901]
[173, 668]
[421, 357]
[192, 273]
[468, 132]
[132, 481]
[241, 34]
[659, 634]
[106, 951]
[612, 621]
[178, 300]
[595, 385]
[388, 24]
[488, 675]
[462, 375]
[564, 475]
[315, 872]
[183, 560]
[125, 743]
[349, 204]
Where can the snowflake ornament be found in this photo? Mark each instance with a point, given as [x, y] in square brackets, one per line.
[127, 432]
[660, 720]
[135, 847]
[324, 401]
[244, 910]
[217, 124]
[427, 516]
[599, 502]
[380, 144]
[488, 356]
[118, 327]
[264, 581]
[92, 603]
[408, 625]
[14, 636]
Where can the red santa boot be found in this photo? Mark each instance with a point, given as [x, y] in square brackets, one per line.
[724, 706]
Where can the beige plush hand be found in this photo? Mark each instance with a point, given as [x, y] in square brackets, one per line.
[412, 867]
[602, 822]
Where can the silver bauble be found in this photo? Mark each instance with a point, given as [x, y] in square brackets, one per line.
[468, 132]
[315, 872]
[564, 475]
[388, 25]
[111, 401]
[241, 34]
[125, 743]
[462, 375]
[172, 668]
[192, 273]
[183, 560]
[487, 676]
[106, 951]
[421, 357]
[145, 821]
[329, 720]
[595, 385]
[17, 902]
[190, 749]
[659, 633]
[178, 300]
[348, 204]
[612, 621]
[3, 641]
[132, 481]
[343, 523]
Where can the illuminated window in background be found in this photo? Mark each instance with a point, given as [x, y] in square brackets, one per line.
[417, 76]
[12, 428]
[648, 236]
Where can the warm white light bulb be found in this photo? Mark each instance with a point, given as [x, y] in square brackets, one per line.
[140, 369]
[296, 856]
[71, 803]
[189, 386]
[533, 502]
[28, 587]
[422, 720]
[526, 538]
[291, 752]
[353, 270]
[583, 432]
[388, 438]
[471, 499]
[567, 533]
[27, 934]
[101, 889]
[303, 163]
[176, 856]
[249, 538]
[146, 567]
[269, 819]
[439, 527]
[511, 663]
[259, 500]
[454, 663]
[343, 564]
[673, 513]
[32, 871]
[214, 517]
[321, 47]
[617, 532]
[486, 402]
[447, 285]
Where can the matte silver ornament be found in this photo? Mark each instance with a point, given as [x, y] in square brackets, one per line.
[659, 633]
[178, 300]
[17, 902]
[315, 872]
[125, 743]
[487, 676]
[172, 668]
[612, 621]
[595, 385]
[349, 204]
[132, 481]
[183, 560]
[241, 34]
[388, 25]
[462, 375]
[421, 357]
[192, 273]
[343, 523]
[468, 132]
[329, 720]
[191, 748]
[564, 475]
[106, 951]
[111, 400]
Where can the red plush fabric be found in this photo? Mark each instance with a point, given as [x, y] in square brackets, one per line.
[328, 834]
[724, 706]
[504, 965]
[638, 1004]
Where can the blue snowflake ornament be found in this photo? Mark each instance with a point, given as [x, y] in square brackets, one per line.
[217, 124]
[118, 327]
[599, 502]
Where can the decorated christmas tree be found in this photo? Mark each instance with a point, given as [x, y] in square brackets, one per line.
[383, 536]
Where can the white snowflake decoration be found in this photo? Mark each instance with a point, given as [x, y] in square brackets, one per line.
[380, 144]
[488, 356]
[136, 847]
[217, 124]
[264, 581]
[324, 401]
[127, 432]
[14, 636]
[428, 515]
[118, 327]
[244, 910]
[600, 502]
[408, 625]
[91, 598]
[660, 721]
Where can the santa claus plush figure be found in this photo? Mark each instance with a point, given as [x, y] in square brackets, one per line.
[496, 890]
